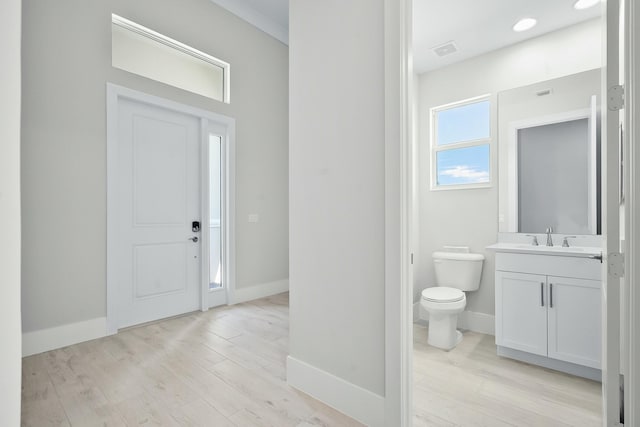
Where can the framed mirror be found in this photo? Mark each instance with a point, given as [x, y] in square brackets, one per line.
[549, 156]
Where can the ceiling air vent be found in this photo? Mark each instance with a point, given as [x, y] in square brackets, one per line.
[445, 49]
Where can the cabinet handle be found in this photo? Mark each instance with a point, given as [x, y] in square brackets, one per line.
[541, 294]
[550, 295]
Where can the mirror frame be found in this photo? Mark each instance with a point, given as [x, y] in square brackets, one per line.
[512, 161]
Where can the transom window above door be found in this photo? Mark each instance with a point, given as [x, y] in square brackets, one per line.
[461, 144]
[140, 50]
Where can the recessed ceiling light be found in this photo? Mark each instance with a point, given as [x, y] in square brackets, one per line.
[585, 4]
[524, 24]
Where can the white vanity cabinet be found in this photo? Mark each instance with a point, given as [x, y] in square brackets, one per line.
[548, 311]
[574, 320]
[521, 315]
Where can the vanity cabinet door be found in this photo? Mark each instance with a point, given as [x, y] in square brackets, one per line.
[521, 312]
[575, 320]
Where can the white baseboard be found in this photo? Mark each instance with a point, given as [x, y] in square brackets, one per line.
[61, 336]
[469, 320]
[477, 322]
[348, 398]
[260, 291]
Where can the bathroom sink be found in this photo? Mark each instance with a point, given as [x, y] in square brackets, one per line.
[573, 251]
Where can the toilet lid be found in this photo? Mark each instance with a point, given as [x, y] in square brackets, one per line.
[442, 294]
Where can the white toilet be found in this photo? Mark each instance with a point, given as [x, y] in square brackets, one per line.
[457, 272]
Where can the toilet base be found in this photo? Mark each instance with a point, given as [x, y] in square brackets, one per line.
[442, 331]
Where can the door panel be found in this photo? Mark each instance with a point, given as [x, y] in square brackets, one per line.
[611, 302]
[575, 321]
[160, 161]
[158, 196]
[159, 269]
[521, 312]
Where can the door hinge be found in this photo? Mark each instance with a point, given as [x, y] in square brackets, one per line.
[615, 264]
[615, 96]
[411, 259]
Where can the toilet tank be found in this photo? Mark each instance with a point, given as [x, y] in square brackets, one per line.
[458, 270]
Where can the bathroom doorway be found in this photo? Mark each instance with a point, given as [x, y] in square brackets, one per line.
[467, 377]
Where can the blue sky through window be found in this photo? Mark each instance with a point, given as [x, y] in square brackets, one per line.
[461, 166]
[465, 123]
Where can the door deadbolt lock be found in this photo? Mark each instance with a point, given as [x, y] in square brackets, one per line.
[195, 226]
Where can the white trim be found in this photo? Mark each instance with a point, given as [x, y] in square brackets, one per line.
[205, 225]
[42, 340]
[217, 297]
[473, 321]
[260, 291]
[259, 20]
[209, 120]
[632, 200]
[611, 302]
[477, 322]
[512, 160]
[348, 398]
[398, 85]
[212, 298]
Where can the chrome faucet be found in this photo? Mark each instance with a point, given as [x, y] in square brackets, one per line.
[534, 240]
[549, 239]
[565, 241]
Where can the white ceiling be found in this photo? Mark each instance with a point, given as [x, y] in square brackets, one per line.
[479, 27]
[475, 26]
[271, 16]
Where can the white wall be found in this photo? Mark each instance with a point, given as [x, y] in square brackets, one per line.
[337, 193]
[10, 355]
[67, 61]
[470, 217]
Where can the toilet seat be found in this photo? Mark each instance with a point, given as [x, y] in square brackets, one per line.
[442, 294]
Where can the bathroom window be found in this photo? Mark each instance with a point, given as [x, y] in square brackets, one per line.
[461, 145]
[142, 51]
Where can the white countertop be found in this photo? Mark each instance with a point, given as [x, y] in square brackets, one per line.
[527, 248]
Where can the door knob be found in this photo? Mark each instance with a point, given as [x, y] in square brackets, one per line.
[194, 239]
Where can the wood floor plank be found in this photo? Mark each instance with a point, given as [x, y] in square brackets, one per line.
[200, 413]
[40, 403]
[145, 410]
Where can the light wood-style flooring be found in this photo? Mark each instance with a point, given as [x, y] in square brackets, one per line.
[225, 367]
[471, 386]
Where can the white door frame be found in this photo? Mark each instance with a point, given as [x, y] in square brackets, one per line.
[227, 194]
[611, 283]
[398, 213]
[208, 121]
[632, 218]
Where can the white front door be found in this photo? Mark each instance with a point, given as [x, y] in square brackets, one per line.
[158, 197]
